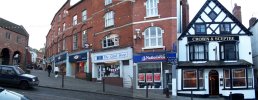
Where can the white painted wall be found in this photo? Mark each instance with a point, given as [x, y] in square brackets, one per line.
[254, 40]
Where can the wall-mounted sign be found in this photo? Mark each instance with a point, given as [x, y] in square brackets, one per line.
[154, 57]
[78, 57]
[61, 57]
[149, 78]
[141, 77]
[212, 38]
[112, 56]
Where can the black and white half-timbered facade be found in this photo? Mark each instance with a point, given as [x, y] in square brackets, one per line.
[215, 55]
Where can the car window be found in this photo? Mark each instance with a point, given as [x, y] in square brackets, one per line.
[8, 71]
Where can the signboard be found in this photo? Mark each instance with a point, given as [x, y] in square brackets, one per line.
[212, 38]
[154, 57]
[157, 77]
[149, 78]
[60, 58]
[78, 57]
[141, 77]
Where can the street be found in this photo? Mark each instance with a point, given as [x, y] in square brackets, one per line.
[40, 93]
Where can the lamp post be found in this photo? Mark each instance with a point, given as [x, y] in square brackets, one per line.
[25, 58]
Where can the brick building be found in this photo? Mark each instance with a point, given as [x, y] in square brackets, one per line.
[102, 37]
[13, 43]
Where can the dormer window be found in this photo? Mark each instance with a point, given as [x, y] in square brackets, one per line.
[225, 28]
[228, 51]
[200, 29]
[110, 41]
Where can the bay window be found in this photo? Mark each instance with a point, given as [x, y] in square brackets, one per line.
[193, 79]
[198, 52]
[228, 51]
[239, 78]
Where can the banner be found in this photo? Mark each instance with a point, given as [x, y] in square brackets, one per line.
[141, 77]
[149, 77]
[157, 77]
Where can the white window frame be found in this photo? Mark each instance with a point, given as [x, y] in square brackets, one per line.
[84, 38]
[109, 19]
[64, 44]
[84, 15]
[148, 38]
[59, 30]
[107, 2]
[75, 41]
[64, 26]
[114, 38]
[152, 8]
[75, 20]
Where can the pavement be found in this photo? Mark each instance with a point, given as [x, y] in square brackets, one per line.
[74, 84]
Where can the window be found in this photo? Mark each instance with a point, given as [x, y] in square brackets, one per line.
[18, 40]
[152, 8]
[59, 30]
[225, 29]
[227, 82]
[84, 15]
[153, 37]
[75, 41]
[189, 79]
[250, 77]
[64, 45]
[59, 17]
[228, 51]
[239, 78]
[200, 29]
[110, 41]
[84, 38]
[8, 35]
[107, 2]
[109, 19]
[58, 47]
[63, 26]
[75, 20]
[8, 71]
[198, 52]
[212, 15]
[201, 80]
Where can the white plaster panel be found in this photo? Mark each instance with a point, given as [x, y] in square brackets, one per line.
[220, 17]
[209, 31]
[228, 20]
[245, 48]
[191, 31]
[212, 4]
[182, 49]
[199, 20]
[236, 30]
[217, 9]
[213, 45]
[207, 10]
[179, 72]
[242, 32]
[205, 17]
[217, 31]
[214, 26]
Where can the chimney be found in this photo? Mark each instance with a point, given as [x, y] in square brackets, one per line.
[237, 12]
[252, 21]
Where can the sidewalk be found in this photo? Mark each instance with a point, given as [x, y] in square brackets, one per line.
[95, 87]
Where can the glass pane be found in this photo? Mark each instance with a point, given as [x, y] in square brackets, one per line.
[159, 42]
[190, 83]
[239, 82]
[237, 73]
[201, 85]
[147, 42]
[153, 41]
[189, 74]
[152, 32]
[227, 83]
[239, 78]
[226, 73]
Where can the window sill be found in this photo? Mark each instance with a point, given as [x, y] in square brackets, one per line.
[197, 62]
[238, 89]
[111, 26]
[192, 90]
[147, 17]
[156, 47]
[230, 61]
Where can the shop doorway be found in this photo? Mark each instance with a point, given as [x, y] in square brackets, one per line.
[213, 82]
[100, 73]
[169, 81]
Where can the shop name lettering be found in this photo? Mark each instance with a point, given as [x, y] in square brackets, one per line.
[156, 57]
[196, 39]
[112, 56]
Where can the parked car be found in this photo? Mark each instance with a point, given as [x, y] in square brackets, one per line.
[15, 76]
[10, 95]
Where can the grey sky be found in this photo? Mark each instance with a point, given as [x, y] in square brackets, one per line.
[36, 15]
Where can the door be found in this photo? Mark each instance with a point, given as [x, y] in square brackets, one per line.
[169, 81]
[213, 82]
[128, 76]
[100, 72]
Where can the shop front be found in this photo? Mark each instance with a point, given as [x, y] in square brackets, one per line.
[154, 69]
[60, 61]
[114, 66]
[79, 63]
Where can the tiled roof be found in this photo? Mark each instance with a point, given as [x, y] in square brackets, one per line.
[13, 27]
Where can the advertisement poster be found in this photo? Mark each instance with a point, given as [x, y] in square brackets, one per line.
[149, 77]
[156, 77]
[141, 77]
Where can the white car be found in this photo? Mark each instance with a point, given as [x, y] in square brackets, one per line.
[10, 95]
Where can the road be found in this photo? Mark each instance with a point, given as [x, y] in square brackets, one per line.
[40, 93]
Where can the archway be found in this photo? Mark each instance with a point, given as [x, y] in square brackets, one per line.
[5, 56]
[16, 58]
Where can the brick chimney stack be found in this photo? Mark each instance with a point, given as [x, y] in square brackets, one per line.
[252, 21]
[237, 12]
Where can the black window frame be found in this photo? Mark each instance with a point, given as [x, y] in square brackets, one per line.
[192, 53]
[215, 15]
[198, 87]
[198, 28]
[223, 54]
[225, 31]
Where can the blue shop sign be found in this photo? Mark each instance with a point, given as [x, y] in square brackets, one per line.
[78, 57]
[154, 57]
[60, 58]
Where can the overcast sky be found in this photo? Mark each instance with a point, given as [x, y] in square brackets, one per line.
[36, 15]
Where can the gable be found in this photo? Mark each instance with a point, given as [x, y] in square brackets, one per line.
[214, 19]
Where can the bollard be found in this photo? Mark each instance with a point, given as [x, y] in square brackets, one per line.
[103, 82]
[191, 95]
[147, 94]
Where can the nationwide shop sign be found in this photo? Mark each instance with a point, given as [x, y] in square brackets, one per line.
[141, 77]
[156, 77]
[212, 38]
[149, 78]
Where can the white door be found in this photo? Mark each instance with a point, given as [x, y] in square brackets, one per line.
[128, 76]
[100, 72]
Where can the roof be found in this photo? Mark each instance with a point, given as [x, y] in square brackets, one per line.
[13, 27]
[223, 9]
[213, 64]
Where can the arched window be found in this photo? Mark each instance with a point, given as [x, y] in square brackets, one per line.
[110, 41]
[153, 37]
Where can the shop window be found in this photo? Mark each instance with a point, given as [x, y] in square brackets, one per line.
[153, 37]
[112, 70]
[239, 78]
[228, 51]
[227, 78]
[250, 77]
[225, 28]
[152, 8]
[149, 73]
[190, 79]
[198, 52]
[200, 29]
[125, 62]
